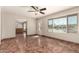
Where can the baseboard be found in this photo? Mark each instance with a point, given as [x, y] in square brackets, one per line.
[51, 37]
[32, 35]
[59, 39]
[44, 36]
[8, 38]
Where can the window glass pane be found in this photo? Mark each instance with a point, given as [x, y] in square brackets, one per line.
[50, 26]
[72, 24]
[60, 25]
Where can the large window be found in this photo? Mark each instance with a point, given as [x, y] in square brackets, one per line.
[63, 24]
[60, 25]
[72, 24]
[50, 25]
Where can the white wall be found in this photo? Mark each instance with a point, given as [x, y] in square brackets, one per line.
[7, 24]
[0, 24]
[39, 27]
[31, 26]
[73, 37]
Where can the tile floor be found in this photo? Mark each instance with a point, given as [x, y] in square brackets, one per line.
[37, 44]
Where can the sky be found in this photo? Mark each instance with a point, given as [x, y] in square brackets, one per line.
[61, 21]
[72, 20]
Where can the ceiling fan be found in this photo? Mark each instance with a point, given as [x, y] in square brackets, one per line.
[37, 9]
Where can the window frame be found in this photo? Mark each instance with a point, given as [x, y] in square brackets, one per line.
[48, 25]
[66, 25]
[67, 21]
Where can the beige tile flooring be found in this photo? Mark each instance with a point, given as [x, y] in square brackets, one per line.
[37, 44]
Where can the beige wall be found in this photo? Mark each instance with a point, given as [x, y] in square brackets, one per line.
[73, 37]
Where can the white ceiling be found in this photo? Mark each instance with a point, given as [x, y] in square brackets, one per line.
[23, 10]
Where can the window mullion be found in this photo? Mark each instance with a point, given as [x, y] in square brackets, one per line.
[52, 25]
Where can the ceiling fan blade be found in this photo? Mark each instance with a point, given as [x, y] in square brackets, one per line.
[42, 12]
[31, 11]
[34, 8]
[42, 9]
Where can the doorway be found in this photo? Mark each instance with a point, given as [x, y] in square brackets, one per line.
[21, 28]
